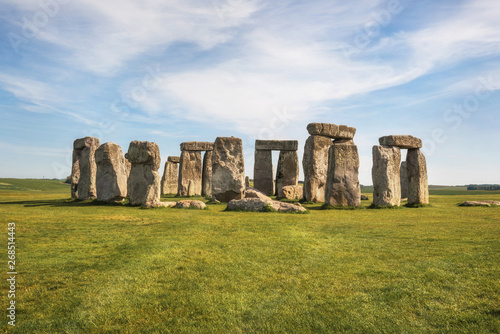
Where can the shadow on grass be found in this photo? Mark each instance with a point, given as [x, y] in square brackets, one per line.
[64, 203]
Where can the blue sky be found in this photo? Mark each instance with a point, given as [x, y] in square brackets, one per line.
[171, 71]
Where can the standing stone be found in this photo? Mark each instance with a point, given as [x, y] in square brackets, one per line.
[263, 172]
[403, 172]
[206, 179]
[228, 169]
[144, 180]
[288, 170]
[247, 181]
[315, 166]
[112, 173]
[385, 175]
[342, 183]
[190, 169]
[417, 176]
[170, 179]
[86, 148]
[75, 173]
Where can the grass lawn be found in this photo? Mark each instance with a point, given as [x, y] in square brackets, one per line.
[87, 268]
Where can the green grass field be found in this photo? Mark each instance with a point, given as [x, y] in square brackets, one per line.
[87, 268]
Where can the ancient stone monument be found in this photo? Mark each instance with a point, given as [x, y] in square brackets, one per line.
[228, 169]
[288, 165]
[403, 176]
[329, 176]
[144, 180]
[386, 171]
[170, 178]
[206, 177]
[112, 173]
[191, 168]
[83, 172]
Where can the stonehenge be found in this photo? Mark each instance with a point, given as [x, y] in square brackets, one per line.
[191, 168]
[228, 169]
[288, 165]
[170, 178]
[315, 167]
[392, 181]
[144, 179]
[112, 173]
[206, 175]
[83, 179]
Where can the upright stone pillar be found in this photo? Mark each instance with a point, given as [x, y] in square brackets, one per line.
[228, 169]
[287, 171]
[170, 179]
[342, 183]
[206, 180]
[112, 173]
[263, 172]
[385, 176]
[190, 173]
[417, 176]
[403, 172]
[85, 148]
[315, 166]
[144, 179]
[75, 173]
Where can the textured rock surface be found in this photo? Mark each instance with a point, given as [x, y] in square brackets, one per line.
[418, 189]
[331, 130]
[287, 172]
[75, 173]
[112, 173]
[385, 176]
[480, 203]
[144, 179]
[247, 181]
[84, 149]
[259, 204]
[170, 178]
[228, 169]
[190, 169]
[403, 176]
[291, 192]
[263, 172]
[364, 198]
[190, 204]
[206, 179]
[405, 142]
[315, 166]
[342, 183]
[175, 160]
[197, 146]
[254, 193]
[276, 145]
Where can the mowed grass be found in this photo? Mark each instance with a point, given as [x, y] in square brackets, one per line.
[86, 268]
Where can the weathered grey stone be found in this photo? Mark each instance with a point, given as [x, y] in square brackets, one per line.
[170, 179]
[417, 177]
[75, 173]
[480, 203]
[247, 181]
[291, 192]
[263, 172]
[254, 193]
[385, 176]
[190, 169]
[364, 198]
[84, 149]
[187, 204]
[160, 205]
[197, 146]
[406, 142]
[260, 204]
[287, 172]
[144, 152]
[228, 169]
[144, 179]
[276, 145]
[112, 173]
[175, 160]
[342, 183]
[403, 174]
[315, 166]
[331, 130]
[206, 180]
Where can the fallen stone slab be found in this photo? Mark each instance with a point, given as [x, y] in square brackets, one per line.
[291, 192]
[255, 193]
[187, 204]
[331, 130]
[480, 203]
[262, 204]
[160, 205]
[276, 145]
[400, 141]
[197, 146]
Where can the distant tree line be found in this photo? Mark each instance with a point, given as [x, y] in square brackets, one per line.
[483, 187]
